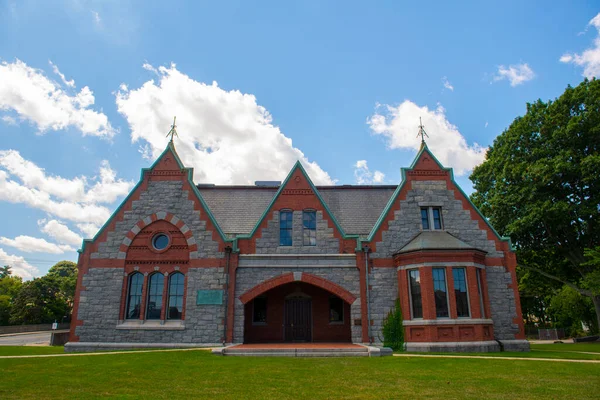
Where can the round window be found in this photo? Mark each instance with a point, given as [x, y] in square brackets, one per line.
[160, 241]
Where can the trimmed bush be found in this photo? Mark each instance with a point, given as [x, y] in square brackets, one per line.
[393, 330]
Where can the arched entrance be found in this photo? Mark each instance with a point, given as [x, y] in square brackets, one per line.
[297, 312]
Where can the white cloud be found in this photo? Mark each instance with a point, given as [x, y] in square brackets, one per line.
[447, 84]
[106, 189]
[399, 125]
[74, 199]
[486, 124]
[60, 232]
[44, 103]
[55, 69]
[97, 19]
[364, 176]
[225, 135]
[30, 244]
[515, 74]
[20, 267]
[9, 120]
[590, 58]
[89, 230]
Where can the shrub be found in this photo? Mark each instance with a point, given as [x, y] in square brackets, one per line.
[393, 330]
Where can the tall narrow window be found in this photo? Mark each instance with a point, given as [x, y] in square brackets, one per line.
[155, 292]
[336, 310]
[431, 218]
[309, 222]
[440, 292]
[480, 291]
[175, 306]
[460, 292]
[259, 310]
[134, 295]
[285, 228]
[414, 280]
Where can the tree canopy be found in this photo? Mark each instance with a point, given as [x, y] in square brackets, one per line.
[540, 185]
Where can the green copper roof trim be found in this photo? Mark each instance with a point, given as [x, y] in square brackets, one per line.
[299, 166]
[170, 147]
[403, 171]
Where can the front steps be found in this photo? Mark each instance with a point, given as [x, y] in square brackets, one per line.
[303, 351]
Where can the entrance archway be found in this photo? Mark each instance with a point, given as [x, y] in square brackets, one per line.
[297, 312]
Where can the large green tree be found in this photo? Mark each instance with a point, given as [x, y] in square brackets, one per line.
[540, 185]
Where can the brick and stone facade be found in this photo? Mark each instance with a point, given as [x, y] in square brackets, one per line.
[206, 286]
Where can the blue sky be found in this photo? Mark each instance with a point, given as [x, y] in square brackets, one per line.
[88, 90]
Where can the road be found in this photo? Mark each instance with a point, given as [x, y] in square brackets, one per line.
[25, 339]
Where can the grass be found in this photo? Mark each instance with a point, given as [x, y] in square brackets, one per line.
[200, 374]
[30, 350]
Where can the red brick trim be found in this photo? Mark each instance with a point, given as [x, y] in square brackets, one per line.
[144, 222]
[289, 277]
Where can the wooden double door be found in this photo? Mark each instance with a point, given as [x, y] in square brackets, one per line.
[298, 320]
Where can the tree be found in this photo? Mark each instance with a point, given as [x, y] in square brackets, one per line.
[540, 186]
[39, 301]
[9, 287]
[393, 329]
[65, 273]
[5, 271]
[569, 309]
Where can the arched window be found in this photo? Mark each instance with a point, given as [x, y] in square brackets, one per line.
[134, 295]
[175, 306]
[155, 292]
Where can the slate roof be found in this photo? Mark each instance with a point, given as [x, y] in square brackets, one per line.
[434, 240]
[237, 209]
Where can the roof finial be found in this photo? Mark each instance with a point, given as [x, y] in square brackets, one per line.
[173, 131]
[422, 132]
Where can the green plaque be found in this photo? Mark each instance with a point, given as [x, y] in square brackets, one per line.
[209, 297]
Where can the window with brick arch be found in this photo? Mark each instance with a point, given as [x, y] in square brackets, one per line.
[155, 296]
[285, 227]
[135, 284]
[309, 224]
[175, 305]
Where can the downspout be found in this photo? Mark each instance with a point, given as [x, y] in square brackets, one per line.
[227, 258]
[366, 250]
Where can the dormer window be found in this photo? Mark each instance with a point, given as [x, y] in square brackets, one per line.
[431, 218]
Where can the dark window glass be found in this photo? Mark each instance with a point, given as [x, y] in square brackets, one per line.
[155, 292]
[259, 310]
[175, 306]
[424, 218]
[160, 241]
[415, 293]
[480, 291]
[285, 228]
[437, 218]
[440, 292]
[134, 295]
[336, 309]
[460, 292]
[309, 222]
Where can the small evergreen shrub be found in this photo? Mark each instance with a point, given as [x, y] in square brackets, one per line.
[393, 330]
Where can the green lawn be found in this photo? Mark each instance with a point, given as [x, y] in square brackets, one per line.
[203, 375]
[30, 350]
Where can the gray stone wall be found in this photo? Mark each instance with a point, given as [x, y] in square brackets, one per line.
[502, 302]
[383, 295]
[247, 278]
[167, 196]
[100, 302]
[269, 240]
[456, 220]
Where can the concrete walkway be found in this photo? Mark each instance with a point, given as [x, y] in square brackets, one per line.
[499, 358]
[104, 353]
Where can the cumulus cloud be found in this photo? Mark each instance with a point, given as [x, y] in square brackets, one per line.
[364, 176]
[590, 58]
[515, 74]
[89, 229]
[20, 267]
[76, 200]
[59, 232]
[399, 126]
[55, 69]
[447, 84]
[29, 244]
[46, 104]
[225, 135]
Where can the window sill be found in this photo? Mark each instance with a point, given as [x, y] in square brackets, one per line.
[336, 323]
[448, 321]
[154, 325]
[259, 323]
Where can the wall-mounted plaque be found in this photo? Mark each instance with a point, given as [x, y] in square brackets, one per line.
[205, 297]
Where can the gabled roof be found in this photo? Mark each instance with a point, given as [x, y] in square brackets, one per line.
[434, 240]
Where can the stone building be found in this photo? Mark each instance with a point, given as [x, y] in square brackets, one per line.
[180, 264]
